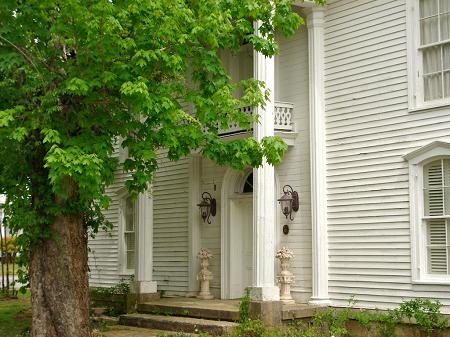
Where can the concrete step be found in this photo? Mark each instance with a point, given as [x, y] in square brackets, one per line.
[179, 324]
[213, 309]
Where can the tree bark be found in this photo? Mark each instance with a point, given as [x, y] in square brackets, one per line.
[59, 281]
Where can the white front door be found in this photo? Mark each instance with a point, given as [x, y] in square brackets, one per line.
[241, 244]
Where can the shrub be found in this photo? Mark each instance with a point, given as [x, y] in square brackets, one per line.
[251, 328]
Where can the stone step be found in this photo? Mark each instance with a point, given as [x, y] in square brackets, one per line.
[208, 309]
[178, 324]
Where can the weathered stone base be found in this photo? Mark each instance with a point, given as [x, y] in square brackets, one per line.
[134, 299]
[143, 287]
[269, 312]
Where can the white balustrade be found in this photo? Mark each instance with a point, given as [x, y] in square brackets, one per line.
[283, 115]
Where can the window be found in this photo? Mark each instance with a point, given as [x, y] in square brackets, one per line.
[429, 178]
[129, 222]
[248, 185]
[436, 194]
[430, 52]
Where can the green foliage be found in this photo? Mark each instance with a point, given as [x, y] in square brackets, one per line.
[429, 322]
[244, 306]
[331, 321]
[251, 328]
[122, 288]
[113, 298]
[426, 314]
[78, 77]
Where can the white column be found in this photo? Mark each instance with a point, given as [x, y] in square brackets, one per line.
[264, 233]
[144, 251]
[315, 23]
[194, 222]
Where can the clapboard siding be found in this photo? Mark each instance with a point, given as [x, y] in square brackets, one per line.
[104, 261]
[170, 225]
[292, 86]
[369, 129]
[210, 237]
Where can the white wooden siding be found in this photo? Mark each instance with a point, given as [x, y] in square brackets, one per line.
[170, 225]
[104, 261]
[211, 181]
[292, 86]
[368, 130]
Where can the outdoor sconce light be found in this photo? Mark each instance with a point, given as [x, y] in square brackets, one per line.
[207, 207]
[289, 202]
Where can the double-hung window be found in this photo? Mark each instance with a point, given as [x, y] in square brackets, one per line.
[429, 53]
[129, 223]
[436, 191]
[429, 178]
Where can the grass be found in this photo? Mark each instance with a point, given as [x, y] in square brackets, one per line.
[15, 315]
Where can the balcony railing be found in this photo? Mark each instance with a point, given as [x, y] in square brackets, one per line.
[283, 115]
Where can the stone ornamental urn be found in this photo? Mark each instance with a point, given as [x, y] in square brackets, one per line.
[205, 275]
[285, 278]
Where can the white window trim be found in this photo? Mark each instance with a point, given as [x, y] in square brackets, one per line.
[415, 65]
[123, 195]
[417, 159]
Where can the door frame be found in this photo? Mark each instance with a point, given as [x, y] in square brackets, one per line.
[234, 242]
[232, 184]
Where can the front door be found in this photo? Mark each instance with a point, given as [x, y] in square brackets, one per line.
[241, 244]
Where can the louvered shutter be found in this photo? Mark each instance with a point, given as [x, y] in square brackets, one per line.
[130, 233]
[437, 247]
[437, 204]
[434, 198]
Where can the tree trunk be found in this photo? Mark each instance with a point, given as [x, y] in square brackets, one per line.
[59, 281]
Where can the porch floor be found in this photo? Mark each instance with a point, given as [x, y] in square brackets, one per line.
[216, 308]
[192, 302]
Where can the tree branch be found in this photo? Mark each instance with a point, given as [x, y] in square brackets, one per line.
[23, 53]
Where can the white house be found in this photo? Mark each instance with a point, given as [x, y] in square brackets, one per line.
[361, 94]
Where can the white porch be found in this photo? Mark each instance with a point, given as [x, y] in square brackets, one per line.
[171, 232]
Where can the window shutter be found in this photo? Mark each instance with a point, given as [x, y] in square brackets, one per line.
[437, 246]
[131, 244]
[130, 233]
[446, 177]
[434, 198]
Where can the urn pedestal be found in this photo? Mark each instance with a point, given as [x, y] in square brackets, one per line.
[205, 275]
[285, 278]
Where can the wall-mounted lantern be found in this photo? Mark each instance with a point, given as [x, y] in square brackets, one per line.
[289, 203]
[207, 206]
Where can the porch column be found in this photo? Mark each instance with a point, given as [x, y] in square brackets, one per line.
[194, 222]
[315, 23]
[143, 283]
[264, 288]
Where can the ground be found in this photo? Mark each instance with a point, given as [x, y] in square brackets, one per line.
[15, 319]
[15, 315]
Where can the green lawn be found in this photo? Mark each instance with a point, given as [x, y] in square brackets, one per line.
[15, 315]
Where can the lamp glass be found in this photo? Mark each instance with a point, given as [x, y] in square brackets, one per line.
[204, 209]
[286, 204]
